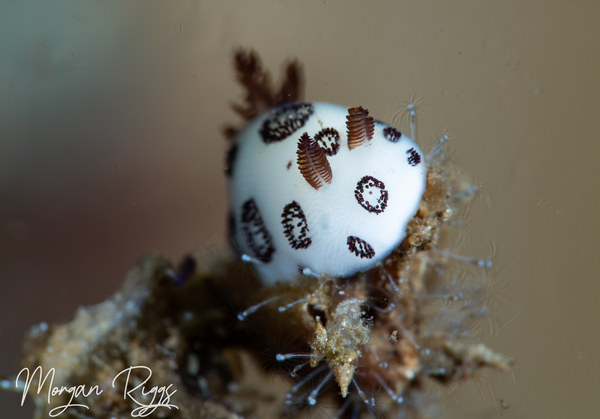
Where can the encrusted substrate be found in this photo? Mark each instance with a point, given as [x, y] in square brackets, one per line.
[184, 335]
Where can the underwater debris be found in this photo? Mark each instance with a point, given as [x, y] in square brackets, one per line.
[341, 343]
[176, 336]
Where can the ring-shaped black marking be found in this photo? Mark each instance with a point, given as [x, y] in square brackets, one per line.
[284, 121]
[365, 187]
[414, 157]
[360, 247]
[258, 238]
[329, 141]
[293, 217]
[392, 134]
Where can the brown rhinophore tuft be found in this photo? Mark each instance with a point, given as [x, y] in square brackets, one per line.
[291, 87]
[260, 95]
[313, 163]
[360, 127]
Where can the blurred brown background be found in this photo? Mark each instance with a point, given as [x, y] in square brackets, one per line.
[110, 147]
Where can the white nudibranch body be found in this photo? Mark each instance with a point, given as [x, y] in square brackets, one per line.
[322, 189]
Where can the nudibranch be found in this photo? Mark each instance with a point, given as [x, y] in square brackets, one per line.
[321, 189]
[327, 191]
